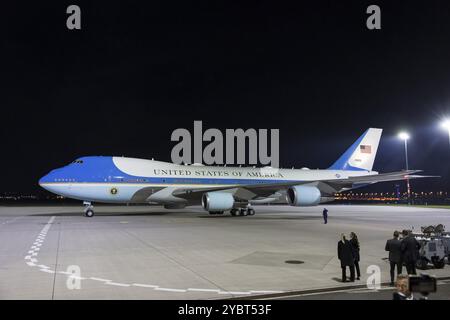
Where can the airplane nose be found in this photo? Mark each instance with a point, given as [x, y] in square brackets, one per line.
[50, 177]
[43, 181]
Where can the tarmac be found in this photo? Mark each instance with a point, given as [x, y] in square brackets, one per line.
[147, 252]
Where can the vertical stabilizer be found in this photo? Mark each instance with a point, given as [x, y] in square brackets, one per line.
[361, 154]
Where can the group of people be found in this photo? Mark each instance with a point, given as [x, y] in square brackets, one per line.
[348, 254]
[402, 251]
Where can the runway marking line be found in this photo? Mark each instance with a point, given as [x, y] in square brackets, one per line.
[100, 279]
[118, 284]
[31, 260]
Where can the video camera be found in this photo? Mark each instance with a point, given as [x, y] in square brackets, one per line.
[424, 284]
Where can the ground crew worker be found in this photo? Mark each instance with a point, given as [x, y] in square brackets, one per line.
[325, 215]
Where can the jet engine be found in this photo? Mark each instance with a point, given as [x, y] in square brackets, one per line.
[303, 196]
[217, 201]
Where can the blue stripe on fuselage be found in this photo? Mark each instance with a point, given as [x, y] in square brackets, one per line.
[103, 170]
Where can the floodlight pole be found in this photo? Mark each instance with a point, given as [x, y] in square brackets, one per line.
[408, 187]
[448, 129]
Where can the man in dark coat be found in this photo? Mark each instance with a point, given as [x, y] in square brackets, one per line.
[325, 215]
[345, 255]
[395, 255]
[410, 251]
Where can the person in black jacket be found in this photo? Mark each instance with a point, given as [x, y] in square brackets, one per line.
[355, 250]
[395, 255]
[345, 255]
[410, 251]
[325, 215]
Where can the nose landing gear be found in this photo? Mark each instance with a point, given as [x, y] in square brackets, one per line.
[88, 209]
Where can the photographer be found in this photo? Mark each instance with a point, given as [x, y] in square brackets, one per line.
[406, 285]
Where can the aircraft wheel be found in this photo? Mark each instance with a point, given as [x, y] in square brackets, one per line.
[89, 213]
[251, 212]
[243, 212]
[234, 212]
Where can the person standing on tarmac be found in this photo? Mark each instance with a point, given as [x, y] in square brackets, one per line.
[410, 251]
[345, 255]
[325, 215]
[395, 255]
[355, 250]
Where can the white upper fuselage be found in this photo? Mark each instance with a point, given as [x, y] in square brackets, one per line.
[128, 180]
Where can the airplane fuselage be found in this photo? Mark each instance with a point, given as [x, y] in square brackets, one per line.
[122, 180]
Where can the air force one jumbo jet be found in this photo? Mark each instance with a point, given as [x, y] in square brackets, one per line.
[217, 189]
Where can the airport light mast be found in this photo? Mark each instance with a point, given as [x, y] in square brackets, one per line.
[405, 137]
[446, 126]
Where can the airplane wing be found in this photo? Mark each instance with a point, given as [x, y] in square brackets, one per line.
[327, 187]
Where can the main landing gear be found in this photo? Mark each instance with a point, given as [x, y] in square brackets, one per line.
[243, 212]
[237, 212]
[88, 209]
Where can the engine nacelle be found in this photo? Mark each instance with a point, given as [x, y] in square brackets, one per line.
[303, 196]
[217, 201]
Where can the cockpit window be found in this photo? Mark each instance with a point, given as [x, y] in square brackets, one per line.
[78, 161]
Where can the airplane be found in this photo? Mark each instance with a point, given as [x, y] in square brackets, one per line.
[109, 179]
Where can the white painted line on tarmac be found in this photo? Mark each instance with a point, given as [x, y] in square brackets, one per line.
[265, 292]
[33, 253]
[235, 292]
[170, 289]
[118, 284]
[65, 272]
[100, 279]
[47, 270]
[204, 290]
[144, 285]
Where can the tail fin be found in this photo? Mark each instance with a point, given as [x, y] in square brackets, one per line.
[361, 154]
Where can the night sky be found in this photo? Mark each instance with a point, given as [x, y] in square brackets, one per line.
[137, 70]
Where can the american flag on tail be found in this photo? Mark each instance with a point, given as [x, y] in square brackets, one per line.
[365, 148]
